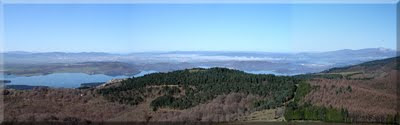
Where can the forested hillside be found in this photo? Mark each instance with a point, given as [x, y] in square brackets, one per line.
[187, 88]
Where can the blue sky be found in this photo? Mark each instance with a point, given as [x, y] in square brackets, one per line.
[123, 28]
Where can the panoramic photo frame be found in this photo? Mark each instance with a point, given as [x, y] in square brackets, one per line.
[6, 2]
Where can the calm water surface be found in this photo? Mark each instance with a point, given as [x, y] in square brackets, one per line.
[64, 80]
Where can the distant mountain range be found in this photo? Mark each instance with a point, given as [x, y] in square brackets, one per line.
[278, 63]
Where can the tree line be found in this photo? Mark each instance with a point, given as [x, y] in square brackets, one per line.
[201, 85]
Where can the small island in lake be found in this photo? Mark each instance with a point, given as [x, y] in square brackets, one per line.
[90, 85]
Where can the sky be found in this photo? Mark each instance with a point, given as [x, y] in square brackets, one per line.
[124, 28]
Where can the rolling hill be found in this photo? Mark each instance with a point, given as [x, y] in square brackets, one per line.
[367, 90]
[358, 93]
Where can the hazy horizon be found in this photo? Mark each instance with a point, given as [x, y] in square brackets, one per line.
[194, 51]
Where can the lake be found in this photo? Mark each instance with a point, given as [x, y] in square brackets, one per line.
[74, 80]
[64, 80]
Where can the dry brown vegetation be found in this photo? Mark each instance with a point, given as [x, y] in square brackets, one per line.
[86, 105]
[366, 100]
[267, 115]
[230, 107]
[367, 93]
[58, 105]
